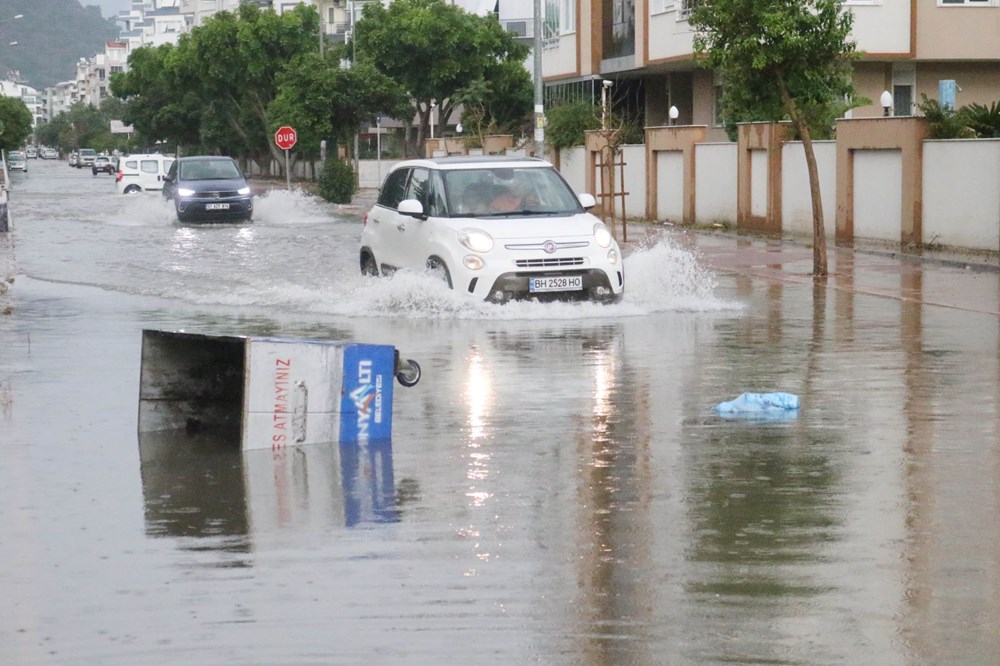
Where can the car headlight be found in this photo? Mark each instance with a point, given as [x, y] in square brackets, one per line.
[602, 235]
[244, 190]
[476, 240]
[185, 192]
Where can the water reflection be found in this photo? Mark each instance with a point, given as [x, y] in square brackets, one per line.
[616, 548]
[196, 485]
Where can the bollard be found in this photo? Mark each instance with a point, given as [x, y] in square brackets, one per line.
[269, 393]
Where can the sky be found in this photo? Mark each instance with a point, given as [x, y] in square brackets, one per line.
[108, 7]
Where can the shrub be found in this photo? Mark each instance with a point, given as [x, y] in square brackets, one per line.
[567, 123]
[945, 122]
[337, 181]
[984, 120]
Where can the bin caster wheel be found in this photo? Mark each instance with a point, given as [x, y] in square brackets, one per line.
[408, 373]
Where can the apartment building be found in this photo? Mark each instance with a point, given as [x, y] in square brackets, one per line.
[911, 48]
[28, 95]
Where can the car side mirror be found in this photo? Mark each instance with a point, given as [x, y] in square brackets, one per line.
[410, 207]
[587, 201]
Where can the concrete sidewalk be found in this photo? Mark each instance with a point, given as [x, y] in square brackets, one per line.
[946, 280]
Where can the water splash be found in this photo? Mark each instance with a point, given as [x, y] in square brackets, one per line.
[295, 206]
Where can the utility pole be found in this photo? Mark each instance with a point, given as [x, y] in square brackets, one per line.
[539, 103]
[319, 11]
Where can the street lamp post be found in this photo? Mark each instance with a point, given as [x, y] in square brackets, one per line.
[886, 101]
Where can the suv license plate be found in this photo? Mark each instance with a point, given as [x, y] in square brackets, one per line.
[217, 206]
[571, 283]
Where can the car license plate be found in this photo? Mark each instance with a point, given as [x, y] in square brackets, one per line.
[218, 206]
[569, 283]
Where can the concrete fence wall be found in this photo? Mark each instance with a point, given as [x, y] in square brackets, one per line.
[962, 193]
[796, 200]
[953, 199]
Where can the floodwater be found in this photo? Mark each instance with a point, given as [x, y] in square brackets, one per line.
[558, 489]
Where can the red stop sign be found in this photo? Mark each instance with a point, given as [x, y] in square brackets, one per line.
[285, 137]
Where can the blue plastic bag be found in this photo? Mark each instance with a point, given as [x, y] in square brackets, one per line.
[778, 405]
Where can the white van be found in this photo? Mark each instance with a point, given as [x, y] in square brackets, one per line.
[142, 172]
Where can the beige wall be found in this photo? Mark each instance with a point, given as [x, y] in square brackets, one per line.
[949, 33]
[980, 82]
[870, 80]
[883, 28]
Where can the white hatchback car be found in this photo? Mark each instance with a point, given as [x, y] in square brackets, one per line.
[497, 228]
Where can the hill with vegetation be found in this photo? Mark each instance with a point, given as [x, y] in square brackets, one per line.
[51, 36]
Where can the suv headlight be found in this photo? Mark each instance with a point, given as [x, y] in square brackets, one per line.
[602, 235]
[244, 190]
[185, 192]
[476, 240]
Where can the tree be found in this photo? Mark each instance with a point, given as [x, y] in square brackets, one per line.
[778, 60]
[15, 121]
[323, 100]
[156, 104]
[212, 91]
[236, 61]
[435, 50]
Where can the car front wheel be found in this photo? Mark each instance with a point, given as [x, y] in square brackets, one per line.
[369, 266]
[437, 268]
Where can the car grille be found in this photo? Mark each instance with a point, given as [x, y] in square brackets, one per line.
[219, 195]
[549, 262]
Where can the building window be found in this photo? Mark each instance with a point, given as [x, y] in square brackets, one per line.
[567, 16]
[661, 6]
[684, 8]
[717, 120]
[967, 3]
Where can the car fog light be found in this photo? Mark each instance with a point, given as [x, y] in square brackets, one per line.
[498, 296]
[613, 256]
[472, 262]
[601, 291]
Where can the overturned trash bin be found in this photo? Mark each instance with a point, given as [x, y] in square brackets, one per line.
[268, 393]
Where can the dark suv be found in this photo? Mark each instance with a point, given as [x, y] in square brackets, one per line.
[208, 188]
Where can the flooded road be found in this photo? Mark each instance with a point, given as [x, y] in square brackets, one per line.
[558, 489]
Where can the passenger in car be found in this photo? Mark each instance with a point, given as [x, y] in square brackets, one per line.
[476, 198]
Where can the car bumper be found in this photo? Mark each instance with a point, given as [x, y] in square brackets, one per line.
[508, 277]
[211, 209]
[596, 284]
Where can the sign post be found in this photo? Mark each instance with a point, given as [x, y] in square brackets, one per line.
[285, 138]
[378, 147]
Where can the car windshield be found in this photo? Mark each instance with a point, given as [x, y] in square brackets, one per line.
[208, 170]
[88, 152]
[506, 191]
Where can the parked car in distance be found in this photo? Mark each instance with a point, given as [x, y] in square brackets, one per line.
[86, 157]
[48, 154]
[208, 188]
[142, 172]
[103, 164]
[496, 228]
[16, 161]
[31, 152]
